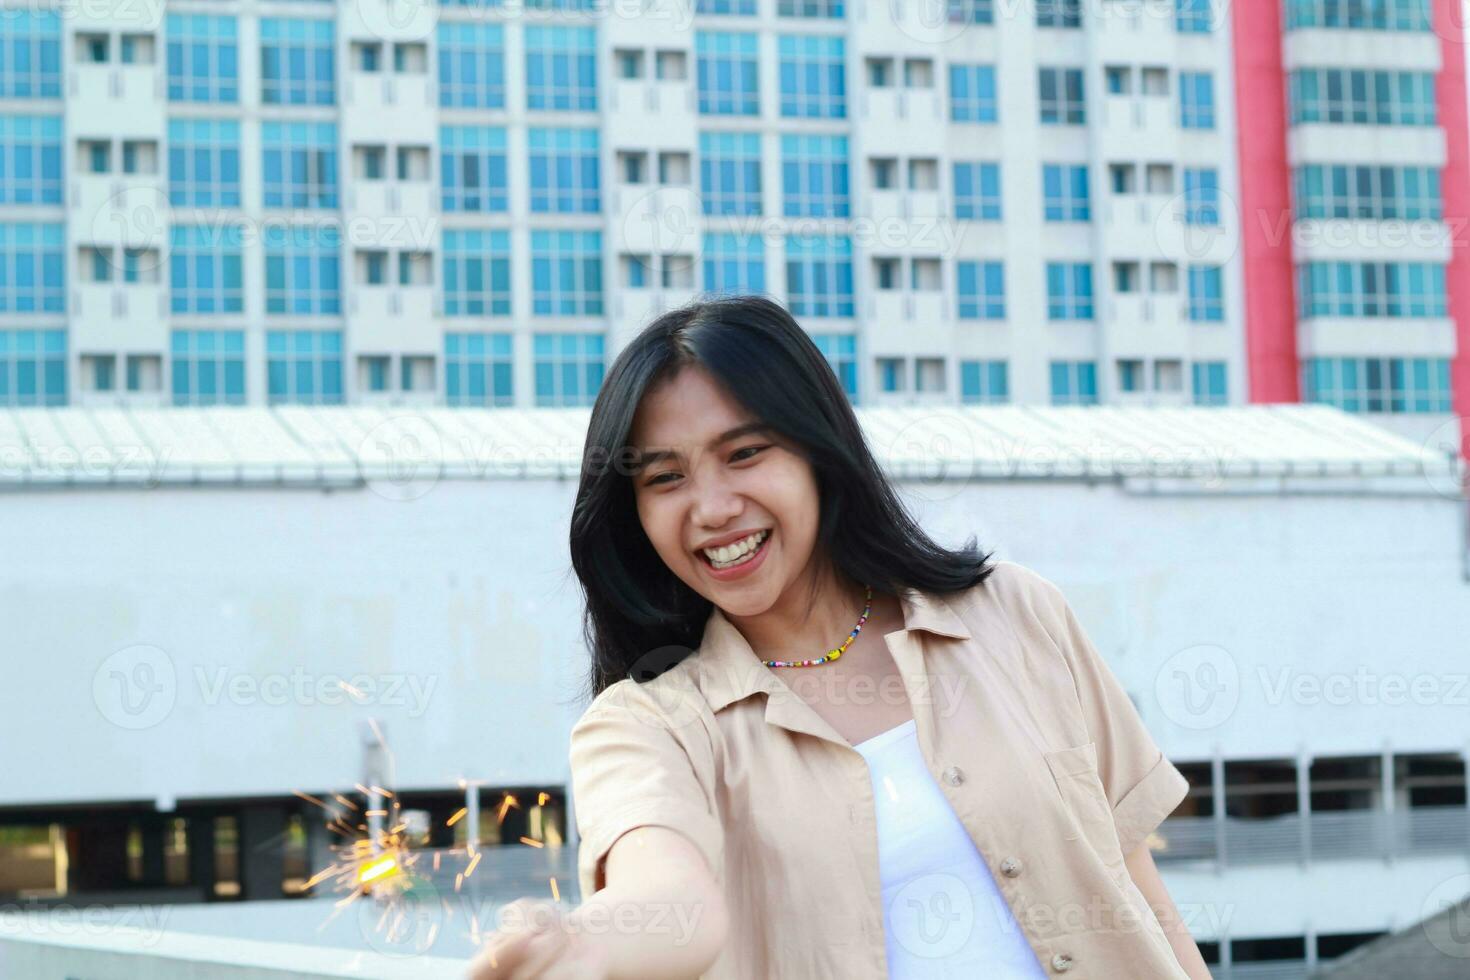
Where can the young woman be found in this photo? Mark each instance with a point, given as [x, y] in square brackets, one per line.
[821, 746]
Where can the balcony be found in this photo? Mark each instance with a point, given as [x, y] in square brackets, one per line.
[377, 104]
[392, 317]
[1145, 323]
[417, 200]
[129, 316]
[121, 101]
[1326, 836]
[662, 220]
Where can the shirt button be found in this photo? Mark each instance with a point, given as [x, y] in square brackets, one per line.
[1061, 962]
[954, 775]
[1010, 867]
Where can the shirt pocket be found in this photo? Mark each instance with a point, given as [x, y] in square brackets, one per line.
[1074, 770]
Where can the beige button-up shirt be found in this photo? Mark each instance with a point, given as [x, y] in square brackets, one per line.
[1026, 731]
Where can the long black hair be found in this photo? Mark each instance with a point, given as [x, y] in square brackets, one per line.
[640, 617]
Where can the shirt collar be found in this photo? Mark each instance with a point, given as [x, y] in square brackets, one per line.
[729, 669]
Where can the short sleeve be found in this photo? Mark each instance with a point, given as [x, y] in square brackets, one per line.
[1142, 785]
[631, 768]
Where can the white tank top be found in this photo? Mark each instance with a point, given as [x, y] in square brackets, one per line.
[942, 913]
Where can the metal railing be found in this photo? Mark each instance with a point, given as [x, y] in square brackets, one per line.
[1329, 835]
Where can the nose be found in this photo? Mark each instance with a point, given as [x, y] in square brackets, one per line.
[715, 504]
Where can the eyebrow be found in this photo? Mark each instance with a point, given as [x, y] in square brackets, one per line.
[646, 458]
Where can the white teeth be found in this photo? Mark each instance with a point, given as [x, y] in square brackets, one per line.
[732, 554]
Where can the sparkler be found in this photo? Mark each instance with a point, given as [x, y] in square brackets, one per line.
[380, 851]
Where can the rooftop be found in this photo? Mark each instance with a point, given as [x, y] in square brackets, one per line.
[1291, 446]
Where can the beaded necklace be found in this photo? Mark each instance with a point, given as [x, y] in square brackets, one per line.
[831, 654]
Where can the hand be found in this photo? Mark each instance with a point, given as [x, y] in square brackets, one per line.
[537, 942]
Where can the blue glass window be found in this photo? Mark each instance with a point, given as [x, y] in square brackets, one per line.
[1206, 294]
[734, 264]
[1367, 191]
[984, 383]
[813, 76]
[30, 158]
[473, 171]
[1061, 96]
[471, 66]
[478, 369]
[564, 170]
[476, 272]
[204, 163]
[205, 269]
[1064, 192]
[1193, 16]
[207, 367]
[730, 173]
[299, 164]
[566, 273]
[303, 367]
[1207, 382]
[32, 268]
[727, 73]
[297, 62]
[1371, 289]
[561, 68]
[828, 9]
[32, 367]
[1069, 291]
[303, 270]
[972, 93]
[1375, 15]
[568, 368]
[1196, 100]
[982, 290]
[1359, 96]
[840, 350]
[1201, 196]
[1073, 382]
[977, 191]
[1378, 384]
[819, 275]
[814, 176]
[203, 58]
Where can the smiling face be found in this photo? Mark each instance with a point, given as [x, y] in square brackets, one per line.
[698, 485]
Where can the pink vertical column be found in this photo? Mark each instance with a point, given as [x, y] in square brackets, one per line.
[1265, 202]
[1449, 95]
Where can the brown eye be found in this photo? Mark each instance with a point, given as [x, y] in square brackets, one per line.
[748, 449]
